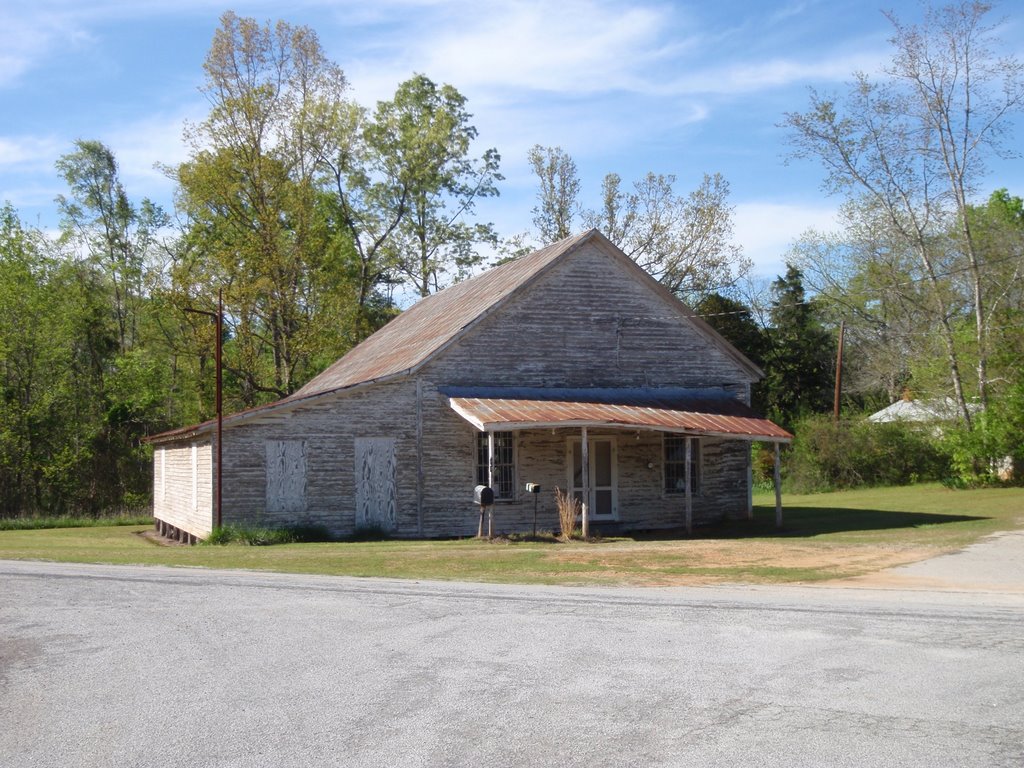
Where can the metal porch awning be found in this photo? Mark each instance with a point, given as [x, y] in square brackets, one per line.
[710, 412]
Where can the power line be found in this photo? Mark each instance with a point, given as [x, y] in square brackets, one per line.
[878, 292]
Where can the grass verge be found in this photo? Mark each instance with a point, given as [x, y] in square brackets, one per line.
[825, 536]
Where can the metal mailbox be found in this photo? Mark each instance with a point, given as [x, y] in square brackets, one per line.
[483, 495]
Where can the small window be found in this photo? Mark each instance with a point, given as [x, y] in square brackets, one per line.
[675, 464]
[504, 463]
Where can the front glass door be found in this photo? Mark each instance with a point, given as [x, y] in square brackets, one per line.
[603, 491]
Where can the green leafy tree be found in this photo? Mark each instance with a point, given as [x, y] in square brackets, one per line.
[117, 236]
[423, 138]
[66, 442]
[799, 360]
[250, 194]
[684, 241]
[558, 196]
[915, 145]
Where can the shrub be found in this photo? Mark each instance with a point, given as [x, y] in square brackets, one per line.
[981, 455]
[829, 456]
[260, 536]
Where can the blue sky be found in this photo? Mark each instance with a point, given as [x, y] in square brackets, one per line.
[672, 87]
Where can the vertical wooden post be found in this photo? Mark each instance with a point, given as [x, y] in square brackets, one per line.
[688, 479]
[490, 483]
[750, 481]
[839, 371]
[585, 512]
[778, 489]
[419, 456]
[220, 408]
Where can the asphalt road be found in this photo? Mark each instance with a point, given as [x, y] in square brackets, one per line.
[126, 666]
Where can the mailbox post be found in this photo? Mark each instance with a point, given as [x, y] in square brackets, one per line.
[483, 496]
[534, 488]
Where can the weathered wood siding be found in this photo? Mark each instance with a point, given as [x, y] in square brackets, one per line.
[450, 471]
[328, 429]
[183, 486]
[587, 322]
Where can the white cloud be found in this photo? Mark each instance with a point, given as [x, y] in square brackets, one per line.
[20, 153]
[153, 139]
[577, 47]
[767, 230]
[30, 32]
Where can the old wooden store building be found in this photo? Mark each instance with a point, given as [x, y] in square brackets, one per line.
[569, 367]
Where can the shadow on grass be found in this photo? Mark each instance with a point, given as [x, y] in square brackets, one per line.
[812, 521]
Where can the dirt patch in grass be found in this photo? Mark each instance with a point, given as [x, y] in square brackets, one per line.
[683, 563]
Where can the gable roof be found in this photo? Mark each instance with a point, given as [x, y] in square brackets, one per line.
[430, 325]
[423, 331]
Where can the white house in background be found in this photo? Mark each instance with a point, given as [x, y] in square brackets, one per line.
[935, 409]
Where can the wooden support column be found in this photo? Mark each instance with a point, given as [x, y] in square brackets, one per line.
[585, 458]
[778, 489]
[688, 479]
[490, 483]
[750, 481]
[419, 457]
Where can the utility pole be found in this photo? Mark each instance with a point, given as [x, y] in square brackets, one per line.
[839, 371]
[218, 317]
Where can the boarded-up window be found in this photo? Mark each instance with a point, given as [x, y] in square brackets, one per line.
[504, 463]
[376, 494]
[286, 476]
[675, 465]
[195, 477]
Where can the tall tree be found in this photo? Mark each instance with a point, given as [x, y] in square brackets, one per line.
[423, 138]
[68, 439]
[915, 144]
[117, 236]
[558, 196]
[685, 241]
[406, 186]
[249, 191]
[799, 359]
[872, 278]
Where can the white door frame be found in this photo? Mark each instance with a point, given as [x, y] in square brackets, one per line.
[614, 487]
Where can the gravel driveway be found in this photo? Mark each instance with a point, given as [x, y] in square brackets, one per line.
[994, 564]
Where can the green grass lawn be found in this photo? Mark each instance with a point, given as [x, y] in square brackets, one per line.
[825, 536]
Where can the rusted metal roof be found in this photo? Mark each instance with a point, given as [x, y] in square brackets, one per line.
[433, 322]
[699, 412]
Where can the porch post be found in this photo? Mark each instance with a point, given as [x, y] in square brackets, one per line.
[490, 482]
[585, 511]
[778, 489]
[750, 481]
[687, 479]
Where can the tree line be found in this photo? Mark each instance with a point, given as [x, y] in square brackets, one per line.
[316, 217]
